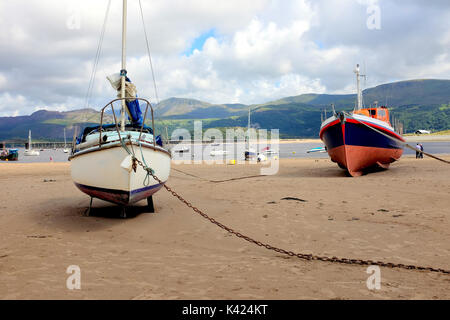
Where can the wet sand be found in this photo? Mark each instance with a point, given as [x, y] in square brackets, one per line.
[400, 215]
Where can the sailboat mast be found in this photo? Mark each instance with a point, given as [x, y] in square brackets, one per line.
[64, 138]
[29, 139]
[248, 125]
[248, 129]
[123, 72]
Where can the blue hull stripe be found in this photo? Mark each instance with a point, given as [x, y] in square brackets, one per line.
[119, 196]
[357, 135]
[332, 136]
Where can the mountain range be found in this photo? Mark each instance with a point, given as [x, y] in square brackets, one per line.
[418, 104]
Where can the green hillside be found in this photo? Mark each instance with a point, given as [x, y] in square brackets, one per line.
[179, 108]
[418, 104]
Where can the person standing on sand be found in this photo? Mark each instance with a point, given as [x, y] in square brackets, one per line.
[421, 149]
[417, 150]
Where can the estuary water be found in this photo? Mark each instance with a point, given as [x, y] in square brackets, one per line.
[286, 150]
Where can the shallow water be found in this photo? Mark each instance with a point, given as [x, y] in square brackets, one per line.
[286, 150]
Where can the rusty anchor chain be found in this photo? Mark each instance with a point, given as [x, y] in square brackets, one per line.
[303, 256]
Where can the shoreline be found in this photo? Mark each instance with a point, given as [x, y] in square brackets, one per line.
[427, 138]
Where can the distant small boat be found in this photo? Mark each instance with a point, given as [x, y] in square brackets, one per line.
[30, 151]
[250, 154]
[181, 149]
[9, 155]
[268, 151]
[218, 153]
[318, 149]
[422, 132]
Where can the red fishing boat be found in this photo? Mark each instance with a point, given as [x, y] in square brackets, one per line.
[361, 139]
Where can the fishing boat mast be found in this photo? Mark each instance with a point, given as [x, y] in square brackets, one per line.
[358, 89]
[358, 86]
[123, 72]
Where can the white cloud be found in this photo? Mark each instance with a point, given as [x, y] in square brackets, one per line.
[10, 104]
[261, 49]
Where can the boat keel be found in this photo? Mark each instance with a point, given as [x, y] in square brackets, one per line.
[150, 205]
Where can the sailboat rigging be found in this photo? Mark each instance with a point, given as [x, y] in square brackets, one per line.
[101, 164]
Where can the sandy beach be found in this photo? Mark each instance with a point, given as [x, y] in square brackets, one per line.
[427, 138]
[400, 215]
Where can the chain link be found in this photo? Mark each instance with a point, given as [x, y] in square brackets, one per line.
[304, 256]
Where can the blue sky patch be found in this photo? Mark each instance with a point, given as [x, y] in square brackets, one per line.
[198, 42]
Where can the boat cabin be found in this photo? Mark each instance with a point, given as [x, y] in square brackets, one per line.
[380, 113]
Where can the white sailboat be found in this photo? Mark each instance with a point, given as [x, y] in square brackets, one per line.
[100, 163]
[250, 153]
[29, 151]
[66, 150]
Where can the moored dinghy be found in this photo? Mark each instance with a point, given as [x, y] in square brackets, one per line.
[361, 139]
[9, 155]
[65, 150]
[102, 165]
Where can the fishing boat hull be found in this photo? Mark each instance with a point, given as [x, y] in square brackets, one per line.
[359, 142]
[104, 173]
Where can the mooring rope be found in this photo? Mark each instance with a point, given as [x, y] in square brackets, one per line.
[217, 181]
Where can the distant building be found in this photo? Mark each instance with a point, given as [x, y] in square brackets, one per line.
[422, 132]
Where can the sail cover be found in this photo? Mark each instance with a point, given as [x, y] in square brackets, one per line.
[134, 110]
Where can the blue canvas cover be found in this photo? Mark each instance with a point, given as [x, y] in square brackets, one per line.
[135, 110]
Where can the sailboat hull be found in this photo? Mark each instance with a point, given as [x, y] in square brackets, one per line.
[356, 146]
[101, 173]
[122, 197]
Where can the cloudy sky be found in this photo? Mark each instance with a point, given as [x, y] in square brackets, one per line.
[234, 51]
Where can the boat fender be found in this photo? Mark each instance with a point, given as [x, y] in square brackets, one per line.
[127, 163]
